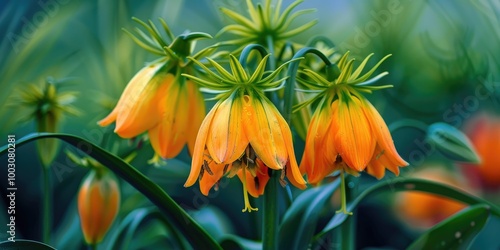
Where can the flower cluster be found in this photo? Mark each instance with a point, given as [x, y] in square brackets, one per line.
[244, 134]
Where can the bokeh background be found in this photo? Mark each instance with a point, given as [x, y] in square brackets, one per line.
[444, 67]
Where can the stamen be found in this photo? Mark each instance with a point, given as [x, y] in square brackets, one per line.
[248, 207]
[380, 154]
[202, 171]
[283, 183]
[207, 168]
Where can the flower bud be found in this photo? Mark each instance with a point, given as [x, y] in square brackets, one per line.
[98, 204]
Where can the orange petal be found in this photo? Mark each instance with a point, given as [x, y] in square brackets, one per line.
[199, 147]
[292, 169]
[264, 132]
[138, 105]
[109, 119]
[226, 141]
[208, 180]
[169, 136]
[196, 112]
[382, 134]
[376, 167]
[256, 184]
[353, 139]
[316, 153]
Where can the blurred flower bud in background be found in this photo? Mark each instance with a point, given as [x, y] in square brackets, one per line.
[46, 105]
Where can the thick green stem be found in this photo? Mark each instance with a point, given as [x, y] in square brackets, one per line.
[47, 201]
[270, 216]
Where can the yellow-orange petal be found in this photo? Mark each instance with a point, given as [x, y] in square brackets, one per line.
[170, 135]
[226, 140]
[292, 169]
[382, 134]
[199, 147]
[264, 133]
[196, 112]
[353, 139]
[108, 119]
[316, 153]
[138, 105]
[376, 167]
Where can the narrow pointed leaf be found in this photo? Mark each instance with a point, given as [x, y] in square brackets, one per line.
[300, 220]
[180, 218]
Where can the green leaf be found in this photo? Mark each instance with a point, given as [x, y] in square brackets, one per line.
[408, 184]
[136, 222]
[178, 217]
[300, 220]
[452, 143]
[236, 242]
[24, 245]
[456, 232]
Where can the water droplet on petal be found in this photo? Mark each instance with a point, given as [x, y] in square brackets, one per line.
[472, 223]
[458, 234]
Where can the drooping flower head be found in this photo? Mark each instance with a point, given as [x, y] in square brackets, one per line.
[266, 24]
[346, 132]
[244, 134]
[159, 99]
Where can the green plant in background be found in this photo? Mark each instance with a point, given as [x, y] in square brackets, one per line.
[265, 86]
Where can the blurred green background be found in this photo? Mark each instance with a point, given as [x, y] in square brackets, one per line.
[445, 67]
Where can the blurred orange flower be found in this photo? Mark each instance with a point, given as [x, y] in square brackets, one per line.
[98, 204]
[484, 133]
[422, 210]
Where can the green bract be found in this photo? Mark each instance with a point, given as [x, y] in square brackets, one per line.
[265, 24]
[224, 83]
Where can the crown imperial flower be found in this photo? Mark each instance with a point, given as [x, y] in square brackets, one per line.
[346, 132]
[158, 99]
[244, 134]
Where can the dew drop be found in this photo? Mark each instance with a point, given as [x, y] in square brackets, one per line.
[458, 234]
[472, 223]
[351, 184]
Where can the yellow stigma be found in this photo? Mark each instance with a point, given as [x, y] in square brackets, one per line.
[248, 207]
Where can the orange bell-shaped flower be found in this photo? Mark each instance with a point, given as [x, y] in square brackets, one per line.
[98, 204]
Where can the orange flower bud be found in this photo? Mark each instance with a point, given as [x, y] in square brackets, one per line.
[98, 204]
